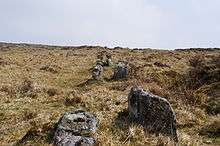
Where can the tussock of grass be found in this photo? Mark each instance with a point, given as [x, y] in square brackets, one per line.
[212, 129]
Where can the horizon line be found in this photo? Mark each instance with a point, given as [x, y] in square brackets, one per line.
[102, 46]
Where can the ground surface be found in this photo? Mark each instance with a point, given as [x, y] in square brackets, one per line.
[38, 83]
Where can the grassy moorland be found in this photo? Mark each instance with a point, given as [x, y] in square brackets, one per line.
[38, 83]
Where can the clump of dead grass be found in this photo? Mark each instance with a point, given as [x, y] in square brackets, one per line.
[3, 62]
[10, 90]
[28, 115]
[50, 68]
[201, 72]
[73, 98]
[38, 135]
[26, 86]
[211, 129]
[120, 86]
[160, 64]
[52, 91]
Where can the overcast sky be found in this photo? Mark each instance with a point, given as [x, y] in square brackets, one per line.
[126, 23]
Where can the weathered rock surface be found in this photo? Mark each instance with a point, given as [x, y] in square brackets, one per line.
[75, 128]
[121, 70]
[108, 61]
[96, 71]
[153, 112]
[104, 59]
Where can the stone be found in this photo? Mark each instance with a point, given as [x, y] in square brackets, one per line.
[100, 56]
[121, 70]
[108, 60]
[96, 71]
[100, 62]
[104, 58]
[75, 128]
[153, 112]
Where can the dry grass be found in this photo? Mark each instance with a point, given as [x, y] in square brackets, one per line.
[38, 83]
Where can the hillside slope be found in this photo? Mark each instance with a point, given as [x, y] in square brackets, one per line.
[38, 83]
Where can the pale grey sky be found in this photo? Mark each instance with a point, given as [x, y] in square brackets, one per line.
[126, 23]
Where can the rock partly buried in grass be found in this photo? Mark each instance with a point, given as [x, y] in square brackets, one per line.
[153, 112]
[76, 128]
[108, 61]
[121, 70]
[104, 58]
[96, 71]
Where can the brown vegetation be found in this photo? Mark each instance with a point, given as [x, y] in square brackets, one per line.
[39, 83]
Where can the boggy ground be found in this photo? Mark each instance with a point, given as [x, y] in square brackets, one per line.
[38, 83]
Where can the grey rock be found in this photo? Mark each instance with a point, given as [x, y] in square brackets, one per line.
[104, 60]
[96, 71]
[75, 129]
[153, 112]
[100, 55]
[121, 70]
[66, 138]
[100, 62]
[108, 60]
